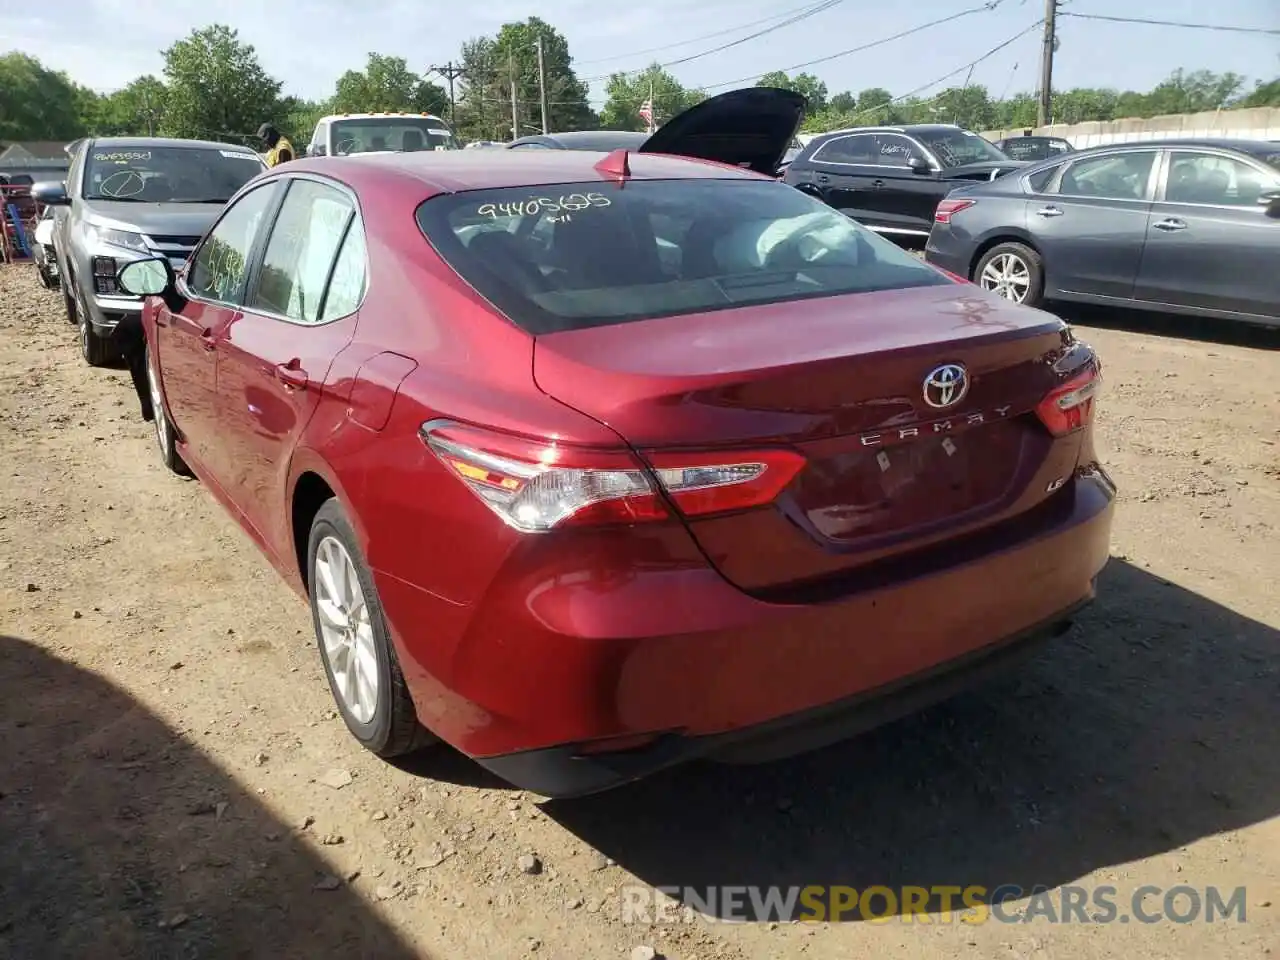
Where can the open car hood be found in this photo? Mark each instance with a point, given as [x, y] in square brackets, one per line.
[751, 128]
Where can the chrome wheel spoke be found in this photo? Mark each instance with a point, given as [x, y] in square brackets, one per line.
[346, 630]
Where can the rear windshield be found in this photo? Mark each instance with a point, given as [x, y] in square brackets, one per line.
[576, 255]
[399, 134]
[166, 174]
[1034, 148]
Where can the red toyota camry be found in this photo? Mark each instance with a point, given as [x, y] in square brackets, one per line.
[589, 464]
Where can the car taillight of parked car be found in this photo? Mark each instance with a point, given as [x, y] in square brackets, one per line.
[1070, 407]
[949, 208]
[537, 485]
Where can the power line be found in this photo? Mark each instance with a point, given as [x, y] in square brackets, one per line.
[968, 66]
[706, 36]
[807, 12]
[991, 5]
[1173, 23]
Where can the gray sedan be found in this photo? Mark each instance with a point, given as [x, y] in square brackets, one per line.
[1180, 226]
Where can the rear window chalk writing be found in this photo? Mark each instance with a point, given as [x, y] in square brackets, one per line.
[123, 156]
[535, 205]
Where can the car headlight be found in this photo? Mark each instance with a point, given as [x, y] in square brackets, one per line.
[120, 238]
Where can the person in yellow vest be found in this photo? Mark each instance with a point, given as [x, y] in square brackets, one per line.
[279, 149]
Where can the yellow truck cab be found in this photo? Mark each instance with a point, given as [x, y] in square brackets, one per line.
[348, 133]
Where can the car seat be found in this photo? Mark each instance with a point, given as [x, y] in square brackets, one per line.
[412, 141]
[502, 255]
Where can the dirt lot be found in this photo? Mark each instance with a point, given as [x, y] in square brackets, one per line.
[174, 782]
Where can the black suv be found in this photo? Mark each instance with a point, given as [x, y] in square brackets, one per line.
[891, 178]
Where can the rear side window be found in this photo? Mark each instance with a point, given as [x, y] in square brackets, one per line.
[576, 255]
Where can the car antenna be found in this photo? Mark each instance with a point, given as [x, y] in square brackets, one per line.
[616, 165]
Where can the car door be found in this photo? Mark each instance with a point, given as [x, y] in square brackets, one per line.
[903, 199]
[274, 356]
[184, 346]
[843, 169]
[1210, 243]
[1090, 224]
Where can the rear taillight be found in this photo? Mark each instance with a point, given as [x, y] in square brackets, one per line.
[536, 485]
[949, 208]
[1070, 406]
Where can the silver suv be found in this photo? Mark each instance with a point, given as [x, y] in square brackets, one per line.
[131, 198]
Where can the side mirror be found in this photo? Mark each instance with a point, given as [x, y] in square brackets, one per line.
[1270, 200]
[918, 165]
[51, 193]
[153, 277]
[318, 150]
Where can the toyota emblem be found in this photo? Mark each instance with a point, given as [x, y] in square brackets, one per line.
[945, 386]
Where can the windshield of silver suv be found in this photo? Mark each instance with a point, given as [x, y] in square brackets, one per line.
[407, 134]
[168, 174]
[955, 148]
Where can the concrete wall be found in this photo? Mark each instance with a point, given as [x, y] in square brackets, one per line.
[1256, 123]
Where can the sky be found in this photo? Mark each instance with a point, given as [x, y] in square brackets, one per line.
[309, 43]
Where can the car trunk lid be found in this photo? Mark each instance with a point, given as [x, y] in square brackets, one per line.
[841, 380]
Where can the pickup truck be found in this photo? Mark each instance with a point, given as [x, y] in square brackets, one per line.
[347, 133]
[131, 198]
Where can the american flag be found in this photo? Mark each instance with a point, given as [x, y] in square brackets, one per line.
[646, 112]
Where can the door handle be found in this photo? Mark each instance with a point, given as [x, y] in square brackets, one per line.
[292, 375]
[1171, 224]
[877, 184]
[822, 178]
[1049, 212]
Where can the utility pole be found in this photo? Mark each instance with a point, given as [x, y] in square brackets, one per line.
[542, 86]
[1045, 114]
[515, 104]
[451, 73]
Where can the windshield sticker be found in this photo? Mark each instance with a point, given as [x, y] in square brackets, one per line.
[238, 155]
[123, 156]
[534, 205]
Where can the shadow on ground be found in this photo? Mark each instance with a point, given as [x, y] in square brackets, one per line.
[1231, 332]
[115, 841]
[1149, 726]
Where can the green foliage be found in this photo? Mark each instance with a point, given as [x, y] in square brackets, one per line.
[492, 64]
[217, 88]
[628, 91]
[806, 84]
[387, 85]
[39, 104]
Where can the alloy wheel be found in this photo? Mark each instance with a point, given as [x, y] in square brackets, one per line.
[1008, 275]
[346, 630]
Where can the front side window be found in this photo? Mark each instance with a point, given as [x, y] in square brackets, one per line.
[563, 257]
[398, 134]
[167, 174]
[220, 266]
[861, 148]
[955, 148]
[1215, 179]
[300, 252]
[1117, 176]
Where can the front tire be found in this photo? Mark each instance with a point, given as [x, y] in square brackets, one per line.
[1014, 271]
[359, 658]
[166, 437]
[96, 350]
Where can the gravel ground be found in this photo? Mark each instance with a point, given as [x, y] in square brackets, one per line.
[174, 782]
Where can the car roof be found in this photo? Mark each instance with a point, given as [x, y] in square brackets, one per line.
[452, 171]
[133, 143]
[1219, 143]
[369, 116]
[592, 139]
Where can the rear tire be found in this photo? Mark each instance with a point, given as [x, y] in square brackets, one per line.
[1014, 271]
[355, 644]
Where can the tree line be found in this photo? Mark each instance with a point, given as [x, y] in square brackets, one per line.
[214, 87]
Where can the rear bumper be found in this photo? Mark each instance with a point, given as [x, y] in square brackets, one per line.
[564, 771]
[948, 251]
[554, 657]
